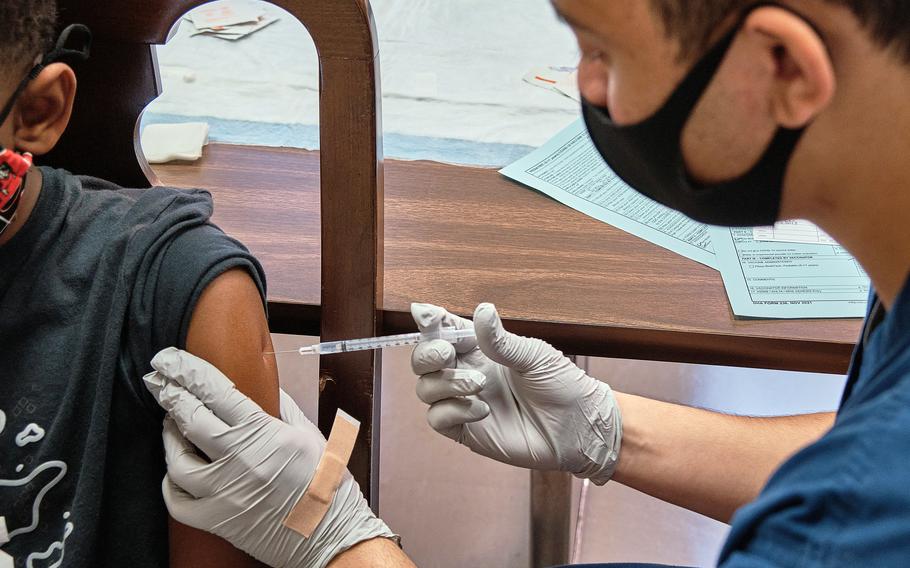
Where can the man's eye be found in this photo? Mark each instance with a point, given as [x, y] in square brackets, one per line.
[591, 51]
[594, 55]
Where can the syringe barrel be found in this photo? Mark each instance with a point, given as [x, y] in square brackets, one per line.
[380, 342]
[449, 334]
[368, 343]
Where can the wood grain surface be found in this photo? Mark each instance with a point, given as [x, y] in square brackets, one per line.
[457, 236]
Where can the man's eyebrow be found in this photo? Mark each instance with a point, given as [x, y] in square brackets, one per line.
[568, 20]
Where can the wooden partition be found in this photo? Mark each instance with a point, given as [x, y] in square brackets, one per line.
[121, 78]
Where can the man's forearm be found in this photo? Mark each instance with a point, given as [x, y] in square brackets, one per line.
[704, 461]
[375, 553]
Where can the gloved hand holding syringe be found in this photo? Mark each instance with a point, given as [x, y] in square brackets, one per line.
[450, 335]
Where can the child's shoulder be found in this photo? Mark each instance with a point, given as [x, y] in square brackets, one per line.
[107, 206]
[158, 244]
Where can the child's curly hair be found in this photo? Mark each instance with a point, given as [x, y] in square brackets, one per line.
[29, 29]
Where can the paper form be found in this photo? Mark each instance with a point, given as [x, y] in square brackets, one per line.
[793, 232]
[569, 169]
[236, 31]
[789, 280]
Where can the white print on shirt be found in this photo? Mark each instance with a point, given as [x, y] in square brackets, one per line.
[55, 547]
[36, 505]
[32, 433]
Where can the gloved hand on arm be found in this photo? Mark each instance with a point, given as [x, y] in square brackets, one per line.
[514, 399]
[259, 468]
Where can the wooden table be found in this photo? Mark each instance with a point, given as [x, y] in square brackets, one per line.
[457, 236]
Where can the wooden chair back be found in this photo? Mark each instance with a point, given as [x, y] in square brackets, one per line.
[121, 79]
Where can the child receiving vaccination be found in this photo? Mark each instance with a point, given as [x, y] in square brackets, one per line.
[94, 280]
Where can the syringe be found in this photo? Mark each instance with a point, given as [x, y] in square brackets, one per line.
[331, 347]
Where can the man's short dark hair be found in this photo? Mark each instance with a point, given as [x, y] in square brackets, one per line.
[29, 27]
[694, 21]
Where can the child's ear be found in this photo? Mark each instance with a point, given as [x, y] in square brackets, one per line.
[44, 109]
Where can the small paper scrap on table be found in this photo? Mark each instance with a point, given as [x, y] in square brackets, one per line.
[163, 143]
[562, 80]
[229, 19]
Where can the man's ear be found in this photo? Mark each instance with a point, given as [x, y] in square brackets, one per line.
[44, 109]
[804, 80]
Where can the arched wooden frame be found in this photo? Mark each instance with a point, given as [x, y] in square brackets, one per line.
[121, 79]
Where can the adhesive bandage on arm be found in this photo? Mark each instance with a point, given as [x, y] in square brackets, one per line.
[316, 500]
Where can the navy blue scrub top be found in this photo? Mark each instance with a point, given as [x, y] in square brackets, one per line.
[844, 500]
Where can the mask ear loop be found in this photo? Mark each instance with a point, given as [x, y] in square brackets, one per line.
[693, 87]
[77, 34]
[61, 53]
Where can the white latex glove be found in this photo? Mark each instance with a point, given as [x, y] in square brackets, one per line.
[515, 400]
[260, 466]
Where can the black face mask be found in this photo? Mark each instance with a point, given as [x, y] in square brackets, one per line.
[648, 155]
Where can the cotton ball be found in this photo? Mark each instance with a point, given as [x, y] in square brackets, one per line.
[189, 77]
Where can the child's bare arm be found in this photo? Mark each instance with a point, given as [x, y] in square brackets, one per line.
[228, 329]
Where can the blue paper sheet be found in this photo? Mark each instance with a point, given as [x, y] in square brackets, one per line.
[396, 146]
[789, 280]
[569, 169]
